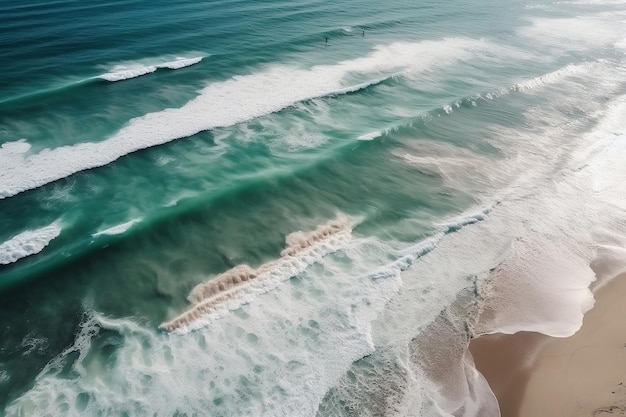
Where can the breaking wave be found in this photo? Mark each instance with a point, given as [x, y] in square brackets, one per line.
[126, 72]
[27, 243]
[117, 73]
[226, 103]
[117, 230]
[237, 286]
[241, 283]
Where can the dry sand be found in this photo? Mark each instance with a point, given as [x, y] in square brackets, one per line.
[582, 375]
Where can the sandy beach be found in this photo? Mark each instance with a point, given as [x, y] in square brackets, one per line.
[534, 375]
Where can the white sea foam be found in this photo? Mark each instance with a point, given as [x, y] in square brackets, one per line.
[12, 149]
[118, 229]
[543, 284]
[370, 136]
[241, 365]
[580, 32]
[559, 240]
[454, 225]
[226, 103]
[532, 256]
[181, 62]
[535, 251]
[28, 243]
[271, 366]
[127, 71]
[553, 77]
[537, 247]
[286, 133]
[529, 85]
[241, 284]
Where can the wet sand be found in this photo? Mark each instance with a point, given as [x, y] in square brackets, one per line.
[534, 375]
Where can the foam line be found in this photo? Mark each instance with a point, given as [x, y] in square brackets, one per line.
[181, 63]
[117, 230]
[225, 103]
[424, 247]
[411, 254]
[529, 85]
[27, 243]
[456, 225]
[370, 136]
[126, 72]
[122, 72]
[302, 249]
[553, 77]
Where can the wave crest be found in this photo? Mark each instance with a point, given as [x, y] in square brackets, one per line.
[126, 72]
[241, 282]
[232, 101]
[27, 243]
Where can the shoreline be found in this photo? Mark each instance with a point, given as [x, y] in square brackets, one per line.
[533, 375]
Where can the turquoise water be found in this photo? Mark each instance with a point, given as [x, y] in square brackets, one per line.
[147, 148]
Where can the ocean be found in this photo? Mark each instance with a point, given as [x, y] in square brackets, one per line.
[298, 208]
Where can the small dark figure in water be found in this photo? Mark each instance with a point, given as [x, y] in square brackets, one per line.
[363, 34]
[326, 39]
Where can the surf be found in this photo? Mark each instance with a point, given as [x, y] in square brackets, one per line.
[121, 72]
[236, 100]
[236, 285]
[28, 243]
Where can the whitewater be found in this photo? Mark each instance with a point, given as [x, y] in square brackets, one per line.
[298, 209]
